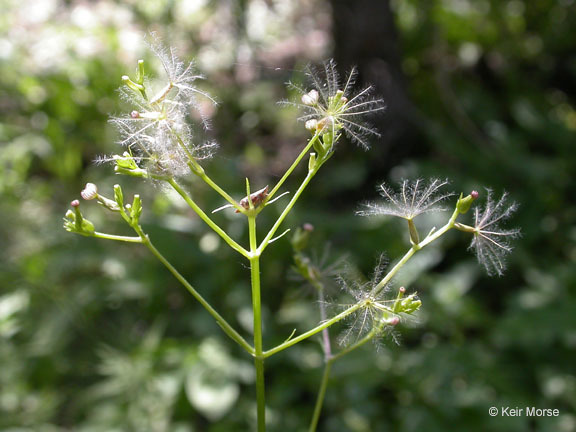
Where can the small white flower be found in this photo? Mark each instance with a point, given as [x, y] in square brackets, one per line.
[89, 192]
[310, 98]
[311, 125]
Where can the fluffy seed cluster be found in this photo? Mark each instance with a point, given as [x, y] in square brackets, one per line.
[330, 105]
[381, 309]
[491, 241]
[157, 130]
[413, 198]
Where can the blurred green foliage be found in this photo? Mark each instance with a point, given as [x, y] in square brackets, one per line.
[99, 337]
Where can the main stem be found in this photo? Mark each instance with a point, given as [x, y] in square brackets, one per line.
[257, 311]
[321, 395]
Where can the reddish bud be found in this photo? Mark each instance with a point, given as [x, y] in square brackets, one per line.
[474, 194]
[256, 198]
[402, 290]
[135, 114]
[75, 203]
[393, 321]
[308, 227]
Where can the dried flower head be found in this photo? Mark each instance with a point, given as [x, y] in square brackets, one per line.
[331, 105]
[381, 308]
[157, 129]
[491, 242]
[413, 198]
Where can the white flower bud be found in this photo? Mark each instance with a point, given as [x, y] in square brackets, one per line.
[311, 125]
[310, 98]
[90, 191]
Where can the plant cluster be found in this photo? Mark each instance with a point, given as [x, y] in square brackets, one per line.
[159, 144]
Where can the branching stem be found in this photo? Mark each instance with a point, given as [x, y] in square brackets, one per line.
[207, 219]
[228, 329]
[303, 153]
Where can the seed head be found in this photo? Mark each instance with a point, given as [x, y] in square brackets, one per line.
[491, 242]
[158, 130]
[335, 107]
[381, 309]
[413, 198]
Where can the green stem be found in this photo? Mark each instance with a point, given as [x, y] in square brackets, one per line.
[257, 312]
[415, 248]
[327, 367]
[356, 344]
[221, 191]
[293, 166]
[228, 329]
[207, 219]
[321, 395]
[117, 237]
[289, 206]
[449, 225]
[197, 169]
[326, 345]
[395, 269]
[313, 331]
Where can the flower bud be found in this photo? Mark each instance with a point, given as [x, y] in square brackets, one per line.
[312, 161]
[301, 236]
[75, 222]
[310, 98]
[465, 203]
[337, 99]
[135, 114]
[311, 125]
[136, 209]
[131, 84]
[118, 195]
[89, 192]
[393, 321]
[398, 302]
[141, 74]
[410, 304]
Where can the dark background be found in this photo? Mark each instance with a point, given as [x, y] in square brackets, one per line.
[98, 336]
